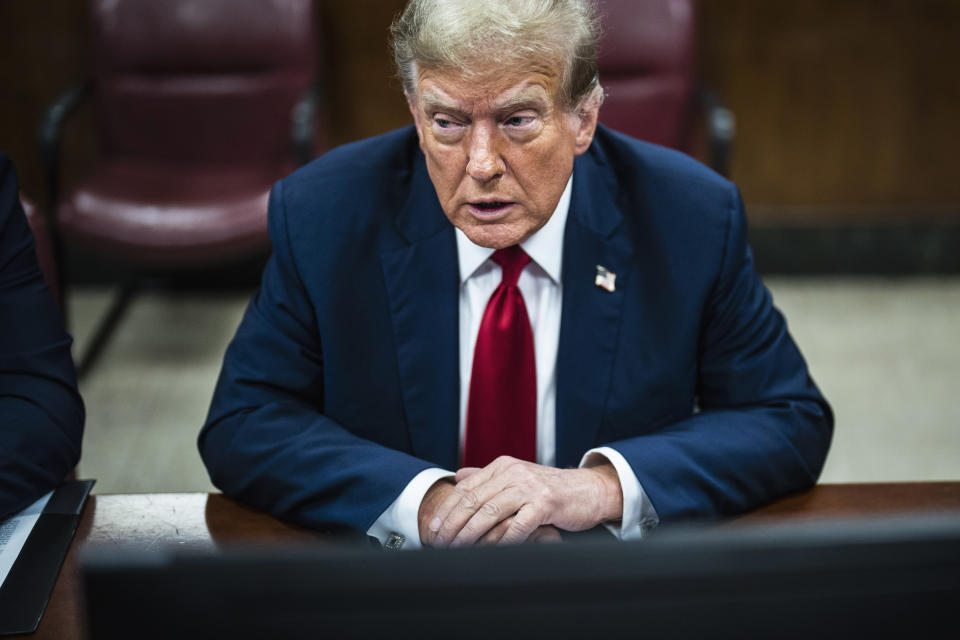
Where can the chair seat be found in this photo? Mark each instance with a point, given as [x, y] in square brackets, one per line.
[159, 214]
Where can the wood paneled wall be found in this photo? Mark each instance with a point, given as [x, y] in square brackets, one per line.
[43, 51]
[365, 97]
[851, 105]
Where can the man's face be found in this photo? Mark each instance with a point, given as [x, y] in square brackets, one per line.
[499, 150]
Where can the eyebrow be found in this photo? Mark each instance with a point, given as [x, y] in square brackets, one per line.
[524, 100]
[530, 100]
[436, 103]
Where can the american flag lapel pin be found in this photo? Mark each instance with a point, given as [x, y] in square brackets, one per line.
[606, 279]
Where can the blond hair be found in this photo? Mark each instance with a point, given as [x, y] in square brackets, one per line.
[475, 35]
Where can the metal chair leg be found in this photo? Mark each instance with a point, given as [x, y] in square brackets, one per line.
[109, 322]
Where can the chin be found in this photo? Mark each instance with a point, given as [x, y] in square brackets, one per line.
[494, 236]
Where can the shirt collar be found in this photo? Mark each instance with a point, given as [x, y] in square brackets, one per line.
[545, 247]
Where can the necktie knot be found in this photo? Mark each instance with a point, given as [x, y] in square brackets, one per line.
[512, 260]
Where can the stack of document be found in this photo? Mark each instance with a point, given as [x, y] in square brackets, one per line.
[33, 545]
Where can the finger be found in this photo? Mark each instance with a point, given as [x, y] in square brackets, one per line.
[545, 534]
[494, 535]
[478, 511]
[442, 510]
[524, 524]
[478, 475]
[465, 473]
[465, 500]
[457, 509]
[459, 499]
[498, 508]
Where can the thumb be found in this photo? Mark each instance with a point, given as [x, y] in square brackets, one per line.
[465, 473]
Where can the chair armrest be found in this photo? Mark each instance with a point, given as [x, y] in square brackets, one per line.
[721, 126]
[303, 125]
[50, 133]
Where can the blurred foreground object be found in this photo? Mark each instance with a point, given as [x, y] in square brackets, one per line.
[200, 107]
[647, 57]
[878, 577]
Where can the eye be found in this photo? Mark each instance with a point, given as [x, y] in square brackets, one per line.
[443, 123]
[518, 121]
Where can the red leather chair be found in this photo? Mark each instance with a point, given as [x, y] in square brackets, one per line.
[199, 107]
[647, 58]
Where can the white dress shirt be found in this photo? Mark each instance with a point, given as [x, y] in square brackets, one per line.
[540, 285]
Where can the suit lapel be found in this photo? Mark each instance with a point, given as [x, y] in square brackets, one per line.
[591, 315]
[421, 274]
[422, 280]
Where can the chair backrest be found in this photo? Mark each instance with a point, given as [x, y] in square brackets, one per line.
[200, 81]
[646, 68]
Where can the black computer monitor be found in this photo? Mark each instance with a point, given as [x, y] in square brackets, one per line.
[865, 578]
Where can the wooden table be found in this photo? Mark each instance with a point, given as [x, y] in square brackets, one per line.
[212, 520]
[144, 521]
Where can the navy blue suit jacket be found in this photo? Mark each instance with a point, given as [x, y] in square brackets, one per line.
[41, 413]
[342, 381]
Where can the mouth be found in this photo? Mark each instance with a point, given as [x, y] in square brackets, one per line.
[490, 209]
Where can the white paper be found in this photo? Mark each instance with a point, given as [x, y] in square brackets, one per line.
[14, 532]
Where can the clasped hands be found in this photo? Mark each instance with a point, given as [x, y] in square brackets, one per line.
[511, 501]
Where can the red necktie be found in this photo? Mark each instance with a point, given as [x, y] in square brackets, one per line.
[502, 409]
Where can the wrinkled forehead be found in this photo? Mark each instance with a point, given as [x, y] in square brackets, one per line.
[440, 93]
[489, 83]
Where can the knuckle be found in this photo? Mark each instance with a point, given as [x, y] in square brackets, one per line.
[523, 526]
[546, 494]
[474, 528]
[491, 509]
[468, 499]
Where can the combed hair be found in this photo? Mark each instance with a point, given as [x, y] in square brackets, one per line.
[473, 35]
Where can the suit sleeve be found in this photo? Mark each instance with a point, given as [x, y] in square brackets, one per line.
[762, 429]
[267, 440]
[41, 413]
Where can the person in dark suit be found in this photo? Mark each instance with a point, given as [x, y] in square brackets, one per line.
[506, 321]
[41, 412]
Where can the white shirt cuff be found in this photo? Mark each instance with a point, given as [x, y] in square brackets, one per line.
[398, 526]
[639, 516]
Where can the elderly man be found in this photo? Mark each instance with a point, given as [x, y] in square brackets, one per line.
[506, 321]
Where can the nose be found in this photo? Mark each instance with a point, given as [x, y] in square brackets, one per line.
[484, 160]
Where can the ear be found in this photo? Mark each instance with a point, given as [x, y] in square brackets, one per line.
[586, 125]
[585, 119]
[415, 112]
